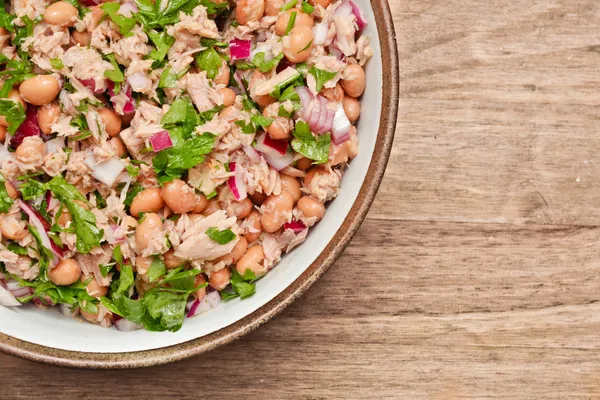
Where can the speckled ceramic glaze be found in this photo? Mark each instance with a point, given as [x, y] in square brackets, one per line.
[52, 338]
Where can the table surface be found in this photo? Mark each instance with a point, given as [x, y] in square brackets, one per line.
[476, 273]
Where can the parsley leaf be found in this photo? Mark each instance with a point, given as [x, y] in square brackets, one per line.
[56, 63]
[261, 120]
[165, 310]
[15, 248]
[305, 143]
[5, 200]
[156, 269]
[16, 71]
[124, 283]
[210, 61]
[321, 76]
[14, 113]
[222, 237]
[265, 66]
[124, 23]
[307, 7]
[115, 74]
[168, 79]
[163, 43]
[31, 188]
[242, 286]
[6, 19]
[173, 162]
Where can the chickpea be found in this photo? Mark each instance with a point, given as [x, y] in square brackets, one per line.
[302, 19]
[298, 44]
[93, 288]
[12, 192]
[2, 133]
[263, 100]
[201, 204]
[171, 260]
[48, 115]
[310, 208]
[212, 206]
[61, 13]
[148, 200]
[31, 150]
[280, 127]
[39, 90]
[333, 94]
[200, 293]
[12, 227]
[223, 74]
[354, 80]
[239, 209]
[179, 196]
[145, 230]
[249, 10]
[311, 174]
[291, 185]
[276, 211]
[220, 279]
[112, 122]
[304, 163]
[236, 253]
[252, 260]
[81, 38]
[228, 96]
[272, 7]
[323, 3]
[66, 272]
[117, 145]
[258, 198]
[254, 221]
[351, 108]
[16, 97]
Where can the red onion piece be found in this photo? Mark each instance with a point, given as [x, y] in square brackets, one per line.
[210, 301]
[252, 154]
[67, 310]
[305, 98]
[337, 53]
[326, 115]
[161, 141]
[239, 49]
[91, 84]
[129, 107]
[107, 171]
[236, 183]
[128, 9]
[42, 226]
[279, 161]
[238, 79]
[17, 290]
[361, 21]
[265, 144]
[90, 3]
[139, 81]
[192, 306]
[7, 299]
[295, 225]
[125, 325]
[340, 131]
[320, 33]
[29, 127]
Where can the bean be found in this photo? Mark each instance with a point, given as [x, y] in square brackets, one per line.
[212, 207]
[179, 196]
[93, 288]
[2, 133]
[112, 122]
[81, 38]
[311, 174]
[32, 149]
[272, 7]
[171, 260]
[200, 293]
[228, 96]
[351, 108]
[201, 203]
[12, 227]
[39, 90]
[145, 230]
[48, 115]
[298, 44]
[148, 200]
[61, 13]
[302, 19]
[276, 211]
[354, 80]
[310, 208]
[291, 185]
[252, 261]
[335, 93]
[10, 189]
[236, 253]
[323, 3]
[304, 163]
[223, 74]
[220, 279]
[253, 220]
[118, 146]
[66, 272]
[249, 10]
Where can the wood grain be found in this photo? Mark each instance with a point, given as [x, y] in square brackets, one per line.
[476, 274]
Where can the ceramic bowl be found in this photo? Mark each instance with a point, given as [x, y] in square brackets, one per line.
[49, 337]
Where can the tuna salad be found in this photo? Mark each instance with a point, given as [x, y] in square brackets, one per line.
[158, 157]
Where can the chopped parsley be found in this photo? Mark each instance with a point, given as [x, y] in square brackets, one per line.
[210, 61]
[222, 237]
[14, 113]
[242, 285]
[314, 147]
[321, 76]
[5, 200]
[124, 23]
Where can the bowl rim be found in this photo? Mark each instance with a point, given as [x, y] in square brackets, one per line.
[341, 239]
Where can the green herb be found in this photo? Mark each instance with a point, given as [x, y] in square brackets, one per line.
[265, 66]
[124, 282]
[115, 74]
[211, 195]
[248, 104]
[210, 61]
[15, 248]
[133, 171]
[163, 43]
[131, 193]
[156, 270]
[152, 15]
[305, 47]
[14, 113]
[167, 79]
[283, 111]
[307, 7]
[248, 128]
[6, 19]
[82, 10]
[31, 189]
[125, 24]
[222, 237]
[44, 254]
[16, 71]
[321, 76]
[288, 94]
[5, 200]
[206, 42]
[88, 234]
[289, 5]
[56, 63]
[263, 121]
[100, 202]
[23, 33]
[291, 23]
[105, 269]
[173, 162]
[305, 143]
[242, 286]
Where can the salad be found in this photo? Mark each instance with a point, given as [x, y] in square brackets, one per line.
[158, 157]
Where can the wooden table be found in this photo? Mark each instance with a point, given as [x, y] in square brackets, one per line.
[477, 272]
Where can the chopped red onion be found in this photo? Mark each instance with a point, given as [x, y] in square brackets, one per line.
[210, 301]
[337, 53]
[90, 3]
[161, 141]
[238, 79]
[295, 225]
[7, 299]
[17, 290]
[4, 154]
[54, 145]
[42, 226]
[344, 12]
[236, 183]
[319, 115]
[265, 144]
[128, 9]
[106, 171]
[139, 81]
[279, 161]
[340, 131]
[320, 33]
[29, 127]
[305, 98]
[129, 107]
[125, 325]
[67, 310]
[239, 49]
[91, 84]
[361, 21]
[252, 154]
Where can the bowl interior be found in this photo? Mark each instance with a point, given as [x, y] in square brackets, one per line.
[51, 329]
